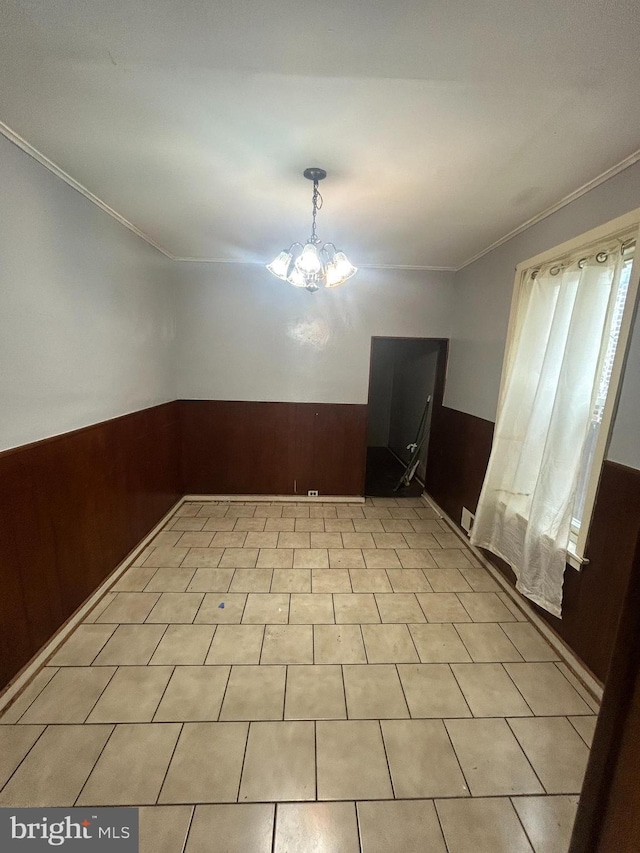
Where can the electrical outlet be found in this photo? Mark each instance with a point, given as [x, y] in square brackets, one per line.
[312, 493]
[467, 520]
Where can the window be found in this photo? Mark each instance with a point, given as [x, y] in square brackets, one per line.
[570, 319]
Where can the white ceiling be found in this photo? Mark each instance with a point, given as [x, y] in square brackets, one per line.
[443, 124]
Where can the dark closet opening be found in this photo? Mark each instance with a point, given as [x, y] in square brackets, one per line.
[404, 372]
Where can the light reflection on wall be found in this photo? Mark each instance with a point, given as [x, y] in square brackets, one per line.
[310, 332]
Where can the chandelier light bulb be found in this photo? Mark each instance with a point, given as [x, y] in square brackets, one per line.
[313, 265]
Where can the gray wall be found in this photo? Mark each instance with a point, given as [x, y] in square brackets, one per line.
[482, 298]
[86, 309]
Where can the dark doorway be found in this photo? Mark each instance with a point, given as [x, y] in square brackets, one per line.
[404, 373]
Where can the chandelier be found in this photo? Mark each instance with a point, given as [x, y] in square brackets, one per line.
[313, 265]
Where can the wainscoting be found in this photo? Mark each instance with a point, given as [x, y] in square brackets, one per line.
[458, 455]
[72, 507]
[272, 448]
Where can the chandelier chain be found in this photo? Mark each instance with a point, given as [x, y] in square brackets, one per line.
[317, 205]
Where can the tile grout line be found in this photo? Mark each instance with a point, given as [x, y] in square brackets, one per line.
[173, 752]
[95, 763]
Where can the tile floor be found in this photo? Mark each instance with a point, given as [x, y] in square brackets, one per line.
[299, 677]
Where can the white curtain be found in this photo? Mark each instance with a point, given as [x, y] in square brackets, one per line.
[558, 340]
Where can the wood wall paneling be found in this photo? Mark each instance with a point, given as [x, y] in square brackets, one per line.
[272, 448]
[458, 455]
[72, 508]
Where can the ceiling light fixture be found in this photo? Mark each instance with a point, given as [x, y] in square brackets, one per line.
[311, 265]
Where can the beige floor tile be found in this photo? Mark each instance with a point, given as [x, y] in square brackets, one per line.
[432, 691]
[381, 558]
[291, 580]
[482, 826]
[211, 580]
[187, 523]
[389, 644]
[268, 511]
[395, 525]
[326, 540]
[310, 558]
[280, 525]
[438, 643]
[241, 510]
[294, 511]
[421, 759]
[33, 689]
[399, 607]
[369, 580]
[403, 510]
[132, 695]
[480, 580]
[556, 751]
[376, 512]
[170, 580]
[170, 556]
[251, 580]
[262, 540]
[442, 607]
[206, 764]
[338, 644]
[346, 558]
[314, 693]
[546, 690]
[515, 611]
[339, 525]
[236, 644]
[235, 828]
[529, 642]
[355, 609]
[266, 609]
[213, 510]
[357, 540]
[294, 540]
[487, 642]
[254, 693]
[450, 558]
[129, 607]
[416, 559]
[485, 607]
[195, 540]
[56, 768]
[309, 525]
[422, 541]
[447, 580]
[163, 829]
[166, 537]
[176, 607]
[401, 825]
[279, 763]
[221, 608]
[390, 540]
[489, 690]
[585, 726]
[250, 525]
[287, 644]
[275, 558]
[591, 701]
[351, 761]
[491, 758]
[304, 827]
[225, 539]
[408, 580]
[548, 821]
[130, 645]
[134, 579]
[307, 609]
[346, 511]
[322, 511]
[426, 526]
[374, 692]
[203, 558]
[330, 580]
[15, 743]
[132, 766]
[448, 540]
[215, 524]
[84, 644]
[194, 693]
[239, 558]
[184, 644]
[100, 607]
[368, 525]
[69, 696]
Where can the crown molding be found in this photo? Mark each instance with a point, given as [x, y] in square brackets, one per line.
[583, 190]
[33, 152]
[29, 149]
